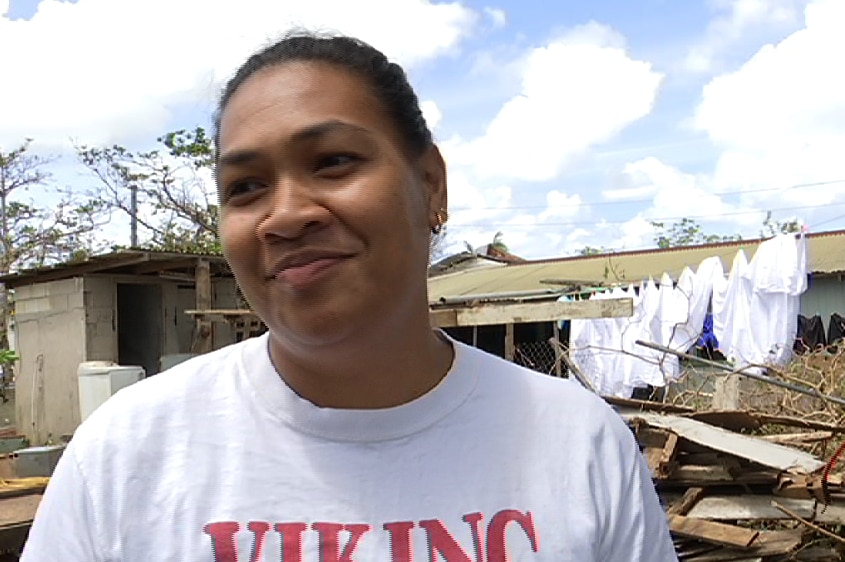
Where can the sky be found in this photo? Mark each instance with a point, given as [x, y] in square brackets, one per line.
[564, 124]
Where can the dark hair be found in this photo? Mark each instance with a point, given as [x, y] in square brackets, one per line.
[387, 79]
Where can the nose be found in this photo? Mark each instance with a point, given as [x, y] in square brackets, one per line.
[293, 211]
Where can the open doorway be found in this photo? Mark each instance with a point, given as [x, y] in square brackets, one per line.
[139, 325]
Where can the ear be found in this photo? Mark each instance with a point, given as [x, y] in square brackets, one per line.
[433, 173]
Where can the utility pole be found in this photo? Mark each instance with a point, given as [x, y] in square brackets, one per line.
[133, 211]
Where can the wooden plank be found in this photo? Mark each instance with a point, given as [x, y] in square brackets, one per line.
[510, 347]
[768, 543]
[742, 419]
[492, 314]
[21, 509]
[744, 446]
[798, 438]
[647, 405]
[752, 507]
[806, 487]
[687, 501]
[556, 348]
[652, 457]
[798, 422]
[708, 531]
[712, 475]
[735, 420]
[667, 455]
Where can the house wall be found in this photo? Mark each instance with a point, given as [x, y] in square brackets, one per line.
[824, 296]
[61, 324]
[51, 327]
[100, 318]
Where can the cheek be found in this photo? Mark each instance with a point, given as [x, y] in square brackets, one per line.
[236, 237]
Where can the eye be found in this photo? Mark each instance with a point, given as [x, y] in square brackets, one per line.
[335, 164]
[242, 189]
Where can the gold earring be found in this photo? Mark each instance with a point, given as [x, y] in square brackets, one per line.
[441, 216]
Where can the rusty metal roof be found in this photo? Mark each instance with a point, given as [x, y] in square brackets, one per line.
[130, 262]
[826, 256]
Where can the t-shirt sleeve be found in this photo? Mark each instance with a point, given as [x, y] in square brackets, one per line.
[637, 530]
[64, 527]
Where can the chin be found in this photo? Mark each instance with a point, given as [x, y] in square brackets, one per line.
[315, 329]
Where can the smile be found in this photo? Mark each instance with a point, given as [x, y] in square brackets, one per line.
[301, 276]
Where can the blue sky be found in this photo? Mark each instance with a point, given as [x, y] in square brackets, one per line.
[565, 124]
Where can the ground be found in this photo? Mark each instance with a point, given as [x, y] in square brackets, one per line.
[7, 410]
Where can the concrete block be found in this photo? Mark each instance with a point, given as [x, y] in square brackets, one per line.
[32, 305]
[58, 302]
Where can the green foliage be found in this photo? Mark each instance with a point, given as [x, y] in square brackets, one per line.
[8, 357]
[33, 232]
[686, 233]
[177, 210]
[773, 227]
[592, 251]
[499, 243]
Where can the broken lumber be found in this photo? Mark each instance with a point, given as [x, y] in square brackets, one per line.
[708, 531]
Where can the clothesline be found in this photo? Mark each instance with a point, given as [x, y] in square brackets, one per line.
[669, 313]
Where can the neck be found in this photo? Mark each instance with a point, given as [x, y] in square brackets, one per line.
[379, 367]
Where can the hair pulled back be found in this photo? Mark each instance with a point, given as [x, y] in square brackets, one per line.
[388, 80]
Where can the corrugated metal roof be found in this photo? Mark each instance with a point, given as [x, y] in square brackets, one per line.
[826, 255]
[117, 261]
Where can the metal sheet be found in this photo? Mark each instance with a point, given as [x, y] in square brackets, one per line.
[743, 446]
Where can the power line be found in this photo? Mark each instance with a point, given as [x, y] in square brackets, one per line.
[645, 200]
[826, 221]
[657, 219]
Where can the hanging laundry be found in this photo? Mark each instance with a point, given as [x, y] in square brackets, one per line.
[708, 341]
[731, 313]
[594, 348]
[810, 336]
[778, 276]
[836, 328]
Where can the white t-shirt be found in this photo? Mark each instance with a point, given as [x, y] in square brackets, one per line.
[219, 460]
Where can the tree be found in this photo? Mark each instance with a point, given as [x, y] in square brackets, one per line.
[686, 233]
[498, 243]
[773, 227]
[176, 208]
[592, 251]
[33, 235]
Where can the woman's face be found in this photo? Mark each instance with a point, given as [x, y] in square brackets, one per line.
[325, 218]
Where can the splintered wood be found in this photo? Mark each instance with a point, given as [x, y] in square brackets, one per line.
[730, 496]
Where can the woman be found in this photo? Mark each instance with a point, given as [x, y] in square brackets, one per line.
[352, 431]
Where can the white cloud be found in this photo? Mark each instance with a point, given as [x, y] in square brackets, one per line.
[108, 70]
[576, 92]
[431, 113]
[780, 118]
[738, 20]
[561, 206]
[497, 16]
[635, 233]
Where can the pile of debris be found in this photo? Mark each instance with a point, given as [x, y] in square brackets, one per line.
[731, 496]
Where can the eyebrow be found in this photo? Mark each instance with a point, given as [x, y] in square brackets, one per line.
[313, 132]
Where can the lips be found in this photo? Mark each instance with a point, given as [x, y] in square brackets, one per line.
[302, 275]
[301, 269]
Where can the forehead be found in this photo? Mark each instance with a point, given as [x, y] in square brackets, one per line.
[280, 100]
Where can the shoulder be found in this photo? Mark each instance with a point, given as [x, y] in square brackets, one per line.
[514, 390]
[169, 398]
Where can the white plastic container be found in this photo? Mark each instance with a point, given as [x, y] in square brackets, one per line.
[37, 461]
[100, 380]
